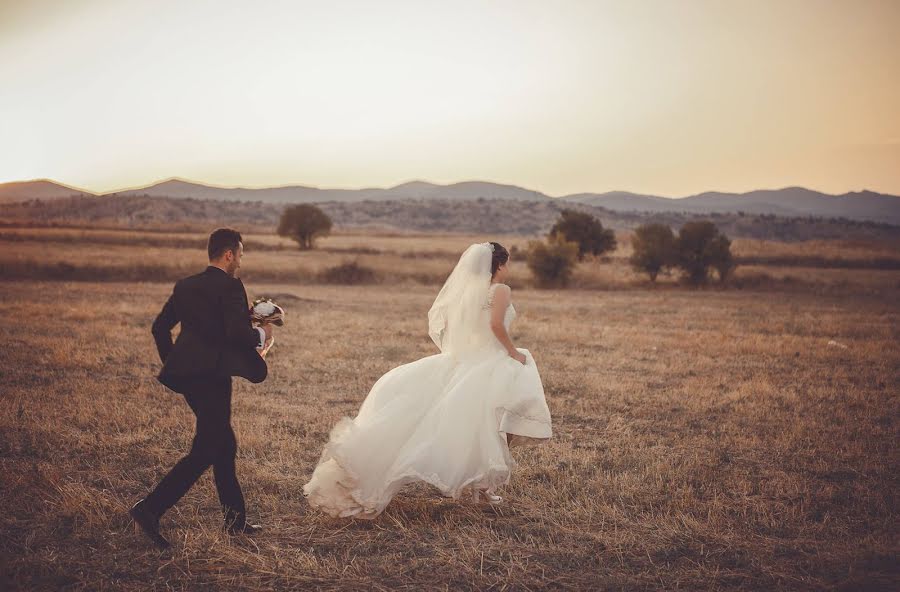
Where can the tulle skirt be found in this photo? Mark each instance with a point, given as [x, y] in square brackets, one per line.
[441, 420]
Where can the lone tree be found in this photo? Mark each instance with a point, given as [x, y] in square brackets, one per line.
[552, 262]
[584, 230]
[700, 246]
[304, 223]
[653, 247]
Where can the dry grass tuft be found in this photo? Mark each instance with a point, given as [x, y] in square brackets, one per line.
[349, 273]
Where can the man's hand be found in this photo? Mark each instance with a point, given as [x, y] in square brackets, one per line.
[266, 347]
[270, 339]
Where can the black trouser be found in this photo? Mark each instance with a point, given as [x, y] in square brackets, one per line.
[214, 444]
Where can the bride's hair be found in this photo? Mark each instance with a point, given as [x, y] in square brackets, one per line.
[501, 256]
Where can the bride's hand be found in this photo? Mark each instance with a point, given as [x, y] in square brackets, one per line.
[518, 356]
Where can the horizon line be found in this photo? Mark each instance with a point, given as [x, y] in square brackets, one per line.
[301, 185]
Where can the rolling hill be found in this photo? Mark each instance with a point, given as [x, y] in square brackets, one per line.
[487, 216]
[36, 189]
[787, 202]
[790, 201]
[302, 194]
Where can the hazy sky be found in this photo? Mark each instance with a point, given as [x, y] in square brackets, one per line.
[669, 97]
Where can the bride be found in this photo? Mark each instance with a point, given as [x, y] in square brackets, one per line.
[447, 419]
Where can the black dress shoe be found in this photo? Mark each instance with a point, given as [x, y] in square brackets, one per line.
[147, 522]
[236, 529]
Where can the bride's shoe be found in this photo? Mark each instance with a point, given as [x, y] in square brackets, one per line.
[486, 495]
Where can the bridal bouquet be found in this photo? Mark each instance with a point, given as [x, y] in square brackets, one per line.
[264, 310]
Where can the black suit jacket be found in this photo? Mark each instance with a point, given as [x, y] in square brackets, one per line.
[216, 336]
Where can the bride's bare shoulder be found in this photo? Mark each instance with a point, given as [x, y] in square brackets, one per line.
[499, 290]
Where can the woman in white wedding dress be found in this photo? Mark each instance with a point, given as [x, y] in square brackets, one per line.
[446, 419]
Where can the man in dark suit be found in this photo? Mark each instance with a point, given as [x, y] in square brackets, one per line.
[216, 342]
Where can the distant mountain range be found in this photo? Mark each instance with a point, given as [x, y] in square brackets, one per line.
[787, 202]
[301, 194]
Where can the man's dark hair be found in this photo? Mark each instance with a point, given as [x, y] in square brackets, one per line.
[221, 240]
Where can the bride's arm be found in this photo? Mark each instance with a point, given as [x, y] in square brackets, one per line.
[498, 312]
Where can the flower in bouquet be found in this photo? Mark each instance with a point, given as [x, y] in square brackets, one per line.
[265, 310]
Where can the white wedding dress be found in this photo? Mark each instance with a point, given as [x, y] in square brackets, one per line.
[441, 420]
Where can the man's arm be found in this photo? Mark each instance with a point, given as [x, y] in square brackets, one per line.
[162, 328]
[238, 330]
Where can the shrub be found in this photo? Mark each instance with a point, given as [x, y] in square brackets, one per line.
[722, 260]
[584, 230]
[304, 223]
[552, 262]
[654, 249]
[348, 273]
[700, 246]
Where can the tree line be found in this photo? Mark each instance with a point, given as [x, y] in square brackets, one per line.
[698, 251]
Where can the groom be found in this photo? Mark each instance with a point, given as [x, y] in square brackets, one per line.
[216, 342]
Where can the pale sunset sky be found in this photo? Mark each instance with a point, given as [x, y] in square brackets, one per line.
[669, 97]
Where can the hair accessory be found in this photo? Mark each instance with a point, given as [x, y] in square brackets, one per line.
[491, 246]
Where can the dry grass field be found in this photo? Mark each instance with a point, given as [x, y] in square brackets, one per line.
[739, 439]
[847, 267]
